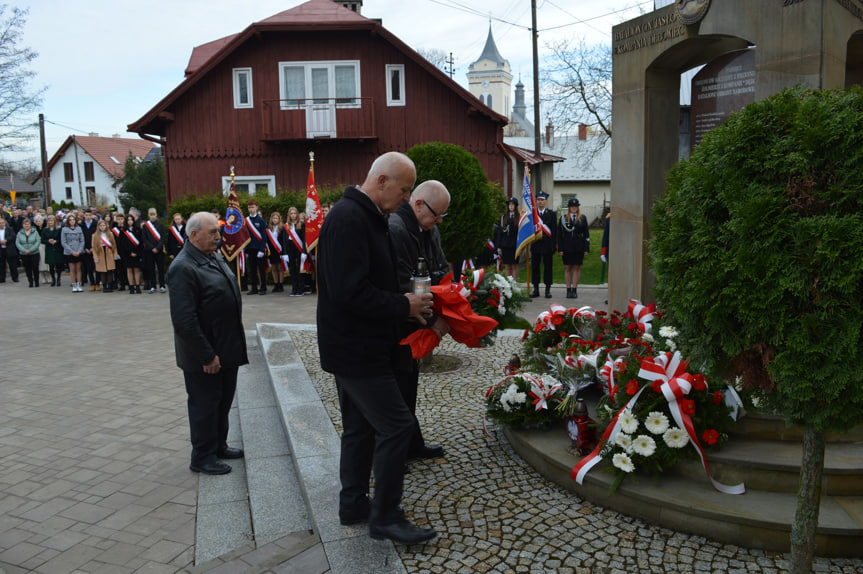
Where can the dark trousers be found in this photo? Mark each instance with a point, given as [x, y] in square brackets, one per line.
[120, 277]
[88, 268]
[154, 267]
[12, 262]
[546, 260]
[407, 374]
[31, 267]
[376, 420]
[256, 270]
[297, 285]
[209, 402]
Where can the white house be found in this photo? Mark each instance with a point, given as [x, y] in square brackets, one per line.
[85, 168]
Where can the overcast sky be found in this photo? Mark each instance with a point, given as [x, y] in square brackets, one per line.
[107, 62]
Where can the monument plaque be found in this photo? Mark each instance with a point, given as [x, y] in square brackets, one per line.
[722, 87]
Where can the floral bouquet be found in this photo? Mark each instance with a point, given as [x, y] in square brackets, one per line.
[495, 296]
[524, 399]
[653, 407]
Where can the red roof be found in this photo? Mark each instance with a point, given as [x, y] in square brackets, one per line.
[318, 15]
[103, 149]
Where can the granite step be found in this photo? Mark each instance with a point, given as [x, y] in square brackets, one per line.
[260, 501]
[774, 465]
[756, 519]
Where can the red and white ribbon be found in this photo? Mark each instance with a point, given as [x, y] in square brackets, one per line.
[105, 242]
[284, 259]
[550, 319]
[295, 237]
[467, 265]
[541, 392]
[274, 240]
[131, 237]
[643, 314]
[607, 373]
[676, 384]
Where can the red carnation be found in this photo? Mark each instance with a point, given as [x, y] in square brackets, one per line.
[632, 327]
[495, 293]
[615, 322]
[656, 386]
[699, 382]
[602, 322]
[718, 397]
[493, 303]
[710, 436]
[631, 387]
[687, 406]
[557, 319]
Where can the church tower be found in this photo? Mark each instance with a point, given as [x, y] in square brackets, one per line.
[489, 78]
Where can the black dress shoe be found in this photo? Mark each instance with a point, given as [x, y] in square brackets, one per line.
[427, 451]
[230, 453]
[402, 532]
[535, 292]
[214, 467]
[348, 516]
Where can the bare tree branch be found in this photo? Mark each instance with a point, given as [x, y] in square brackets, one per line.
[18, 100]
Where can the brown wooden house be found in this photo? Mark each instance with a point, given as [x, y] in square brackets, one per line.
[317, 77]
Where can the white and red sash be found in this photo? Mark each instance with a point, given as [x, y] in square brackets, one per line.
[116, 232]
[274, 240]
[131, 237]
[252, 228]
[152, 229]
[295, 237]
[105, 242]
[177, 235]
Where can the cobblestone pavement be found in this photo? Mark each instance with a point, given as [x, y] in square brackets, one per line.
[495, 514]
[94, 456]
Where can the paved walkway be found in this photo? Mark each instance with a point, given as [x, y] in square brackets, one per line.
[94, 450]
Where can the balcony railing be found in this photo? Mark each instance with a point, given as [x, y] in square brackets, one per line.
[318, 118]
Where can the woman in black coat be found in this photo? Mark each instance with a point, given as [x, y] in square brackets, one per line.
[573, 243]
[507, 238]
[131, 248]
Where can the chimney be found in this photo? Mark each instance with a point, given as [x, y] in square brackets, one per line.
[116, 136]
[549, 134]
[582, 132]
[93, 134]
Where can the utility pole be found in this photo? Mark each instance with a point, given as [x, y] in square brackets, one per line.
[46, 185]
[450, 65]
[537, 136]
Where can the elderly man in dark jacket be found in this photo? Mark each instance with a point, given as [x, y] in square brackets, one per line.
[361, 315]
[414, 233]
[209, 340]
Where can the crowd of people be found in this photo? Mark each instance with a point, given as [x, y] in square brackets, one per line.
[113, 251]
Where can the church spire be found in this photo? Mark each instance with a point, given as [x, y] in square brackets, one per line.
[490, 51]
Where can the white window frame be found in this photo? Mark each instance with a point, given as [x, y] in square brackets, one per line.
[400, 68]
[307, 69]
[251, 181]
[237, 103]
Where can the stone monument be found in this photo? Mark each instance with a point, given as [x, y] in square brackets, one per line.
[815, 43]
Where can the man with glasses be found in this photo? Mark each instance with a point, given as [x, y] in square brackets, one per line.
[415, 234]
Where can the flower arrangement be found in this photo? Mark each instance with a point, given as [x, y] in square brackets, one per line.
[653, 407]
[495, 296]
[524, 399]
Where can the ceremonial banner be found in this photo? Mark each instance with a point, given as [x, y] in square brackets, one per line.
[313, 207]
[235, 236]
[528, 227]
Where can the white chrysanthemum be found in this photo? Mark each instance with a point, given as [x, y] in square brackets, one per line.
[628, 422]
[675, 437]
[668, 332]
[644, 445]
[647, 338]
[656, 422]
[672, 346]
[501, 309]
[501, 284]
[623, 462]
[738, 383]
[512, 398]
[624, 441]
